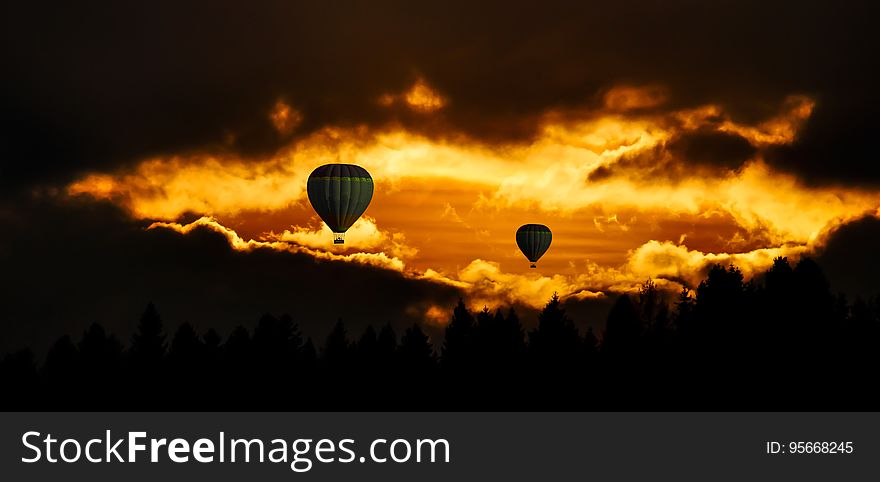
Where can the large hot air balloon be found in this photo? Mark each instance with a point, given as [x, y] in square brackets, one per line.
[340, 193]
[533, 240]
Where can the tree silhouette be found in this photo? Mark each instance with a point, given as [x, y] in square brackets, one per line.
[555, 341]
[148, 343]
[61, 368]
[185, 362]
[146, 357]
[100, 357]
[309, 355]
[277, 341]
[337, 351]
[386, 354]
[623, 330]
[730, 344]
[500, 347]
[416, 351]
[211, 351]
[186, 348]
[554, 350]
[237, 362]
[590, 347]
[367, 349]
[458, 347]
[276, 344]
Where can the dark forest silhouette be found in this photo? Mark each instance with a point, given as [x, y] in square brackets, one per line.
[780, 342]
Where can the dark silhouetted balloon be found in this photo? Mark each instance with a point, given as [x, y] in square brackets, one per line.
[340, 193]
[533, 240]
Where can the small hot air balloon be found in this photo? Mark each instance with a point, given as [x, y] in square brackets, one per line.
[340, 193]
[533, 240]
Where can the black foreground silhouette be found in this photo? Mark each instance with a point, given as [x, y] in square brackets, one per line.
[779, 342]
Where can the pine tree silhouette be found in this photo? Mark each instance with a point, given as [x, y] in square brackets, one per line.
[186, 347]
[365, 358]
[148, 343]
[147, 359]
[415, 348]
[514, 336]
[555, 341]
[211, 351]
[210, 365]
[61, 369]
[238, 364]
[276, 344]
[684, 318]
[277, 341]
[367, 349]
[486, 338]
[554, 352]
[101, 368]
[458, 347]
[591, 348]
[500, 347]
[623, 329]
[386, 350]
[185, 359]
[418, 360]
[308, 356]
[337, 349]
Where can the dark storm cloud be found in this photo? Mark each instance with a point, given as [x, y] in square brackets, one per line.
[686, 155]
[90, 86]
[838, 144]
[68, 265]
[851, 258]
[728, 151]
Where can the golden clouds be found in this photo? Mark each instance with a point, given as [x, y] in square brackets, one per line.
[167, 188]
[446, 209]
[364, 235]
[421, 97]
[780, 129]
[380, 260]
[676, 262]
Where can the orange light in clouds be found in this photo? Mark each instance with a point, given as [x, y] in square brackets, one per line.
[285, 118]
[423, 98]
[437, 315]
[446, 210]
[625, 97]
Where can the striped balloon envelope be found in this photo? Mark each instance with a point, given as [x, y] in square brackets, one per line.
[533, 240]
[340, 193]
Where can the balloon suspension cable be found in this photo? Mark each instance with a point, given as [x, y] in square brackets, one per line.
[533, 266]
[338, 238]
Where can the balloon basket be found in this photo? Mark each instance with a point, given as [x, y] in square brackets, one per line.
[532, 265]
[338, 238]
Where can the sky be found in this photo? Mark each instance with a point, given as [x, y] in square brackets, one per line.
[160, 152]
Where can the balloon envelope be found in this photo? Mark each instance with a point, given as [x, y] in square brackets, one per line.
[340, 193]
[533, 240]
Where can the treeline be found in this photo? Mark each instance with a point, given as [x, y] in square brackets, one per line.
[779, 342]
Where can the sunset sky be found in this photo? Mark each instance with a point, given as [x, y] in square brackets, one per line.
[653, 138]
